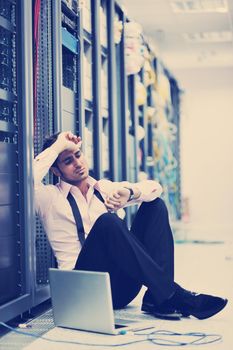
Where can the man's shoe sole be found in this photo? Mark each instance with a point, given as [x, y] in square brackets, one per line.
[206, 314]
[171, 316]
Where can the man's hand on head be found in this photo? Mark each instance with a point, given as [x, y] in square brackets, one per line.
[67, 141]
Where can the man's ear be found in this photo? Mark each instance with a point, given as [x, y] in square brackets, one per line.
[55, 171]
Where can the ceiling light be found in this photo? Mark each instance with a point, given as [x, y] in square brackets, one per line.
[204, 37]
[197, 6]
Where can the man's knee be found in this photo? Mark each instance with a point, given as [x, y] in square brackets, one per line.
[108, 225]
[157, 204]
[108, 220]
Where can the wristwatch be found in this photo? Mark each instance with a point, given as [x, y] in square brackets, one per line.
[131, 195]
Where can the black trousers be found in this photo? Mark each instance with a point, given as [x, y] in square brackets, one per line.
[143, 255]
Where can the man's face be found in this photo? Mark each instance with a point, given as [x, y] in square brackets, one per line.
[72, 166]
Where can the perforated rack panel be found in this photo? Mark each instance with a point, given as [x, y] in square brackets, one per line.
[10, 235]
[44, 125]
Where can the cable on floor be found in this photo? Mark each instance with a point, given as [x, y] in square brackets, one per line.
[159, 337]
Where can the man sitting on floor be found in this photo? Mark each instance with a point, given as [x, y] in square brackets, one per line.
[143, 255]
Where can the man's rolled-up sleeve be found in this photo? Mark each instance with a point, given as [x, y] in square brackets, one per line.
[149, 189]
[43, 193]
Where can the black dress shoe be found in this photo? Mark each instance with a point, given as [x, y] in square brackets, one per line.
[200, 306]
[161, 311]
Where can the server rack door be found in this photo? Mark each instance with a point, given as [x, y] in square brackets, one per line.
[105, 89]
[15, 209]
[96, 84]
[87, 81]
[114, 132]
[122, 99]
[44, 124]
[175, 119]
[70, 57]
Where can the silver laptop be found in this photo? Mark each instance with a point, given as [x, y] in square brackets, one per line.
[82, 300]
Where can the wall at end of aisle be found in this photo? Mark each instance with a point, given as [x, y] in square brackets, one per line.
[207, 151]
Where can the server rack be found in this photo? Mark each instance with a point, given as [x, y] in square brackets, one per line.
[98, 84]
[104, 24]
[166, 138]
[150, 160]
[173, 173]
[175, 99]
[86, 60]
[114, 161]
[147, 112]
[70, 54]
[58, 99]
[86, 88]
[122, 101]
[146, 116]
[133, 123]
[151, 123]
[16, 212]
[96, 71]
[143, 122]
[90, 65]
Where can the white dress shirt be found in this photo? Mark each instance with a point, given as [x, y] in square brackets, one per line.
[56, 214]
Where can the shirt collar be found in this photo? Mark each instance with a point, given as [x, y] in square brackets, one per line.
[66, 187]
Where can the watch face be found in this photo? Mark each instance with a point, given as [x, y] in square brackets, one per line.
[131, 196]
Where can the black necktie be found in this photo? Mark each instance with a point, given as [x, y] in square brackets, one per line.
[77, 215]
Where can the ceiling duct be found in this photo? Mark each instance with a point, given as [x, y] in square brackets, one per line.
[209, 37]
[199, 6]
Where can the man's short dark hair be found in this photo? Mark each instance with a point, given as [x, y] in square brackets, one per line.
[49, 141]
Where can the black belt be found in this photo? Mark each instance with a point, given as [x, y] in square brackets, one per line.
[77, 215]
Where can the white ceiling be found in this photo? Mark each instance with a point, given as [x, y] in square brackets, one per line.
[166, 29]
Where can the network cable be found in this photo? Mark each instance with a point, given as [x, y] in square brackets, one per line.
[158, 337]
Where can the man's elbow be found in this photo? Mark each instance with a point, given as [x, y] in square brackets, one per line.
[158, 189]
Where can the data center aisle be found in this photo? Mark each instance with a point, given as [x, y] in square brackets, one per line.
[206, 267]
